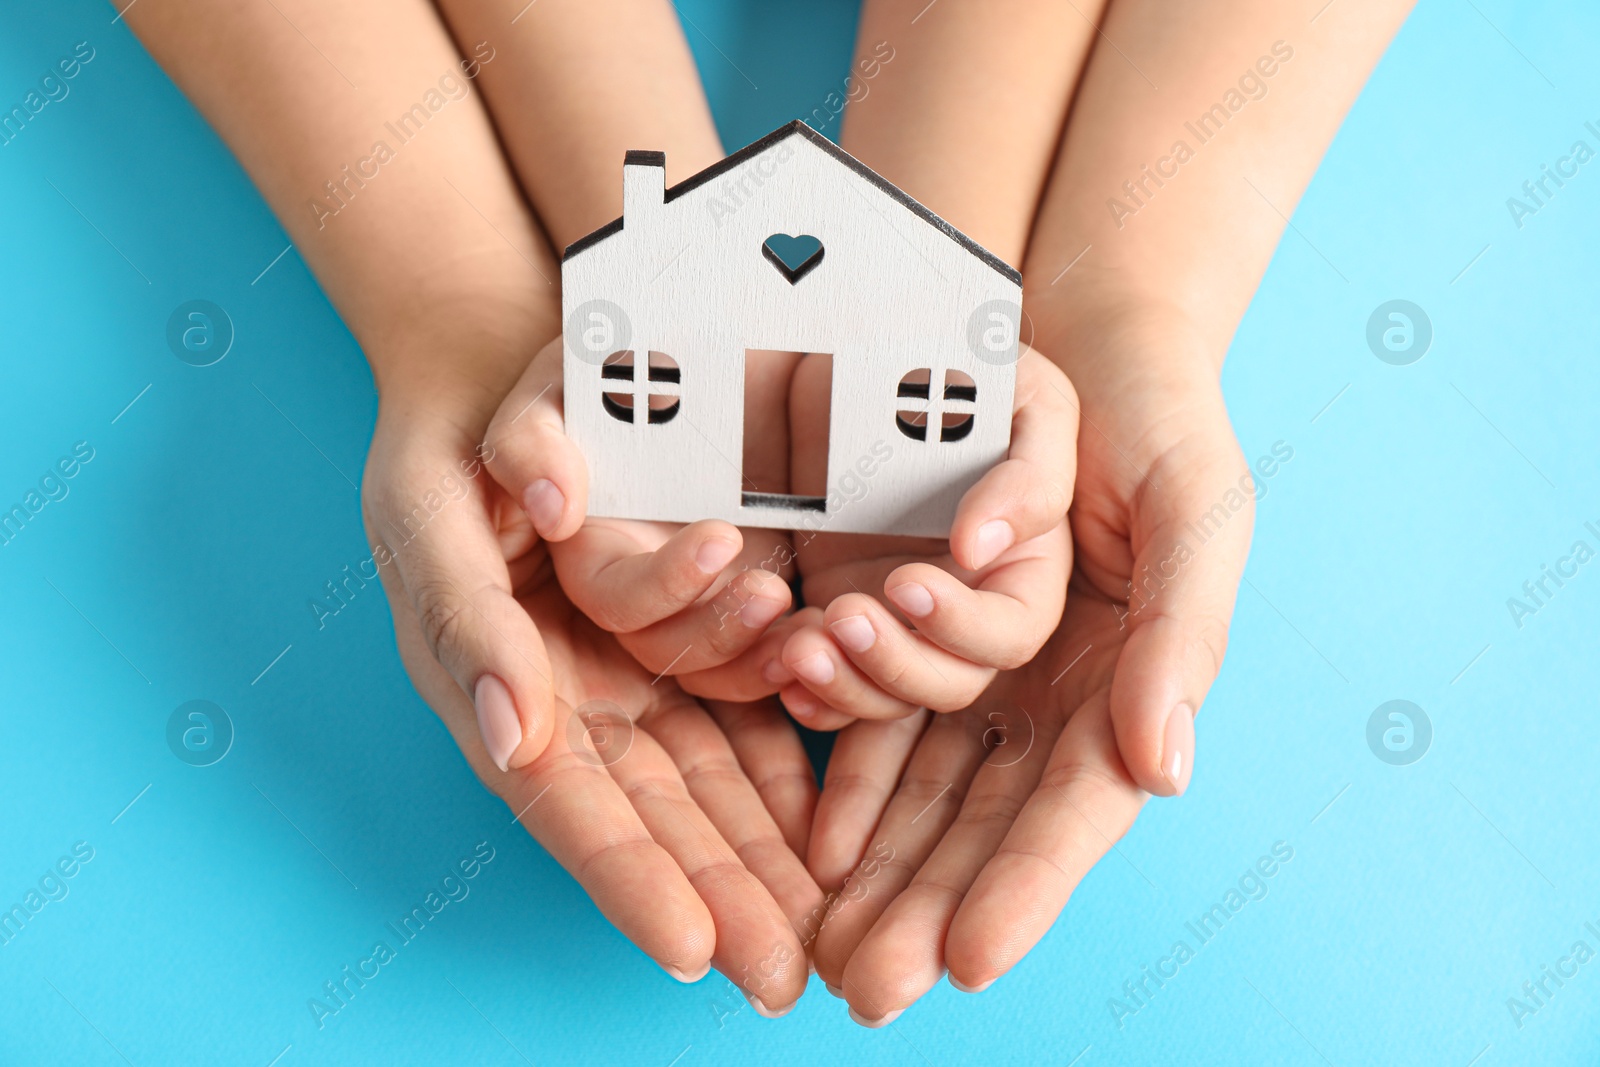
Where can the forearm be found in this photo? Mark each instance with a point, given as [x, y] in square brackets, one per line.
[961, 105]
[359, 128]
[575, 86]
[1174, 198]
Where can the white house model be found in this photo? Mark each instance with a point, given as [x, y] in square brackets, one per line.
[663, 306]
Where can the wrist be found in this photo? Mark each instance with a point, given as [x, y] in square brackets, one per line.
[455, 350]
[1104, 333]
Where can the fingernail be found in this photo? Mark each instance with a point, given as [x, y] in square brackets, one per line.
[685, 977]
[497, 719]
[776, 673]
[912, 598]
[853, 632]
[993, 538]
[802, 706]
[816, 668]
[1177, 748]
[759, 612]
[714, 555]
[544, 504]
[979, 988]
[874, 1024]
[835, 990]
[764, 1011]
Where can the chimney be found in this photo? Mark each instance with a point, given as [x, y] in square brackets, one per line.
[644, 184]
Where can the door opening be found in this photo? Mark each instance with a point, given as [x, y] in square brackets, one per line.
[787, 404]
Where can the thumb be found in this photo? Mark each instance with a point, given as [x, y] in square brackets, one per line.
[532, 457]
[471, 649]
[1191, 532]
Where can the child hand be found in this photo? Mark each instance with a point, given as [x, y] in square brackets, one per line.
[694, 602]
[915, 622]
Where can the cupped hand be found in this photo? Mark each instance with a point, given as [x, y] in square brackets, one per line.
[694, 602]
[897, 623]
[660, 807]
[957, 846]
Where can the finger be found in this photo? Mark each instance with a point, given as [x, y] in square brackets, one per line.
[805, 706]
[1193, 535]
[569, 803]
[899, 661]
[756, 947]
[449, 574]
[924, 804]
[583, 820]
[731, 800]
[823, 670]
[811, 712]
[755, 673]
[532, 457]
[1085, 803]
[770, 752]
[624, 583]
[902, 956]
[1029, 492]
[830, 577]
[1006, 619]
[863, 771]
[714, 631]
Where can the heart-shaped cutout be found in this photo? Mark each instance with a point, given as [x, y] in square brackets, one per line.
[795, 257]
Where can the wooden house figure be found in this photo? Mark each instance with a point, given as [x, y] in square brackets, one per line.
[663, 306]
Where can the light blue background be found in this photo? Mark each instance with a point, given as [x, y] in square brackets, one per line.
[182, 561]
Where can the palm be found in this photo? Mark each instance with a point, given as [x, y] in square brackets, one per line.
[641, 781]
[641, 793]
[644, 730]
[998, 812]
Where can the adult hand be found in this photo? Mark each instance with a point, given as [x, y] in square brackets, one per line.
[647, 803]
[446, 279]
[985, 844]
